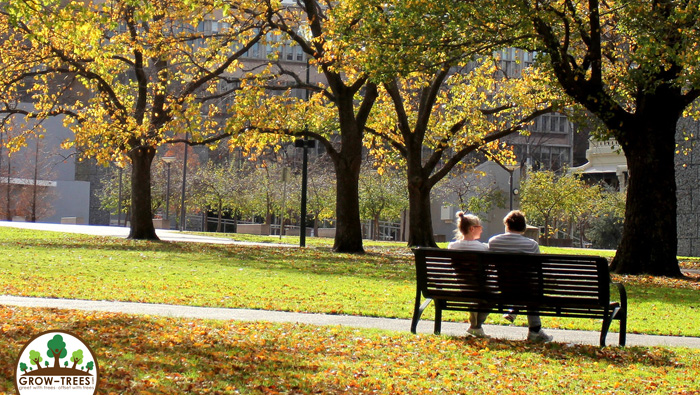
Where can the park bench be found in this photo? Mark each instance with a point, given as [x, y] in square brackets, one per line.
[540, 284]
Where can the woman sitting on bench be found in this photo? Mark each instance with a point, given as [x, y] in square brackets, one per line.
[467, 234]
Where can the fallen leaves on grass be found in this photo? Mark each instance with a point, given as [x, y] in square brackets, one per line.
[690, 281]
[148, 355]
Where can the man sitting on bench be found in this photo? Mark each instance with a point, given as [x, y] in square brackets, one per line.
[513, 240]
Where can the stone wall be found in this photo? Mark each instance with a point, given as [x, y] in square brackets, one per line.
[688, 183]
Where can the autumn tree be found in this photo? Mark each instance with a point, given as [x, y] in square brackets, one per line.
[219, 187]
[8, 135]
[129, 76]
[337, 111]
[547, 198]
[437, 102]
[263, 191]
[321, 191]
[605, 230]
[583, 209]
[432, 121]
[36, 169]
[382, 195]
[115, 186]
[634, 65]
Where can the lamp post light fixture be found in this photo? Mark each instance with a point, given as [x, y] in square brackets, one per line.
[510, 169]
[168, 161]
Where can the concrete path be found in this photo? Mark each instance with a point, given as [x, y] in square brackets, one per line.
[401, 325]
[121, 231]
[425, 326]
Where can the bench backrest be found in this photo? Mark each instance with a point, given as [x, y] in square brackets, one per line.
[523, 278]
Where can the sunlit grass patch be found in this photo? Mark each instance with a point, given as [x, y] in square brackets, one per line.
[379, 283]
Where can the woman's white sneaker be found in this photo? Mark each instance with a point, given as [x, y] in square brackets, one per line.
[539, 337]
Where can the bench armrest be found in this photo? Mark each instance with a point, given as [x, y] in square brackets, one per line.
[623, 294]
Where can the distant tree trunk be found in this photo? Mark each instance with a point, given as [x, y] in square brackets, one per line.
[547, 230]
[376, 227]
[8, 201]
[649, 236]
[218, 218]
[34, 186]
[141, 215]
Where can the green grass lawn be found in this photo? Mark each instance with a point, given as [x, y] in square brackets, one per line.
[151, 355]
[380, 283]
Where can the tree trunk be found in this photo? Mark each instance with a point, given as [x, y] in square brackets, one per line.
[9, 191]
[649, 236]
[57, 359]
[141, 216]
[218, 218]
[420, 219]
[32, 216]
[347, 162]
[376, 227]
[348, 235]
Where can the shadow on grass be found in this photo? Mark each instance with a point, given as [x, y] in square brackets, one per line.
[620, 356]
[151, 355]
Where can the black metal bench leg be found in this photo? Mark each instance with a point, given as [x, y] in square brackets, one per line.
[623, 327]
[438, 316]
[418, 311]
[607, 320]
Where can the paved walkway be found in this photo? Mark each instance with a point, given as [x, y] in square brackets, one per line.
[121, 231]
[402, 325]
[425, 326]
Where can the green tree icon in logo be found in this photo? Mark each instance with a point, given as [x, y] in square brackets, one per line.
[76, 358]
[57, 350]
[35, 358]
[23, 367]
[90, 366]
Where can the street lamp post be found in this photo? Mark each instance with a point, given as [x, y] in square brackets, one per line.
[168, 161]
[510, 169]
[119, 203]
[304, 144]
[183, 218]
